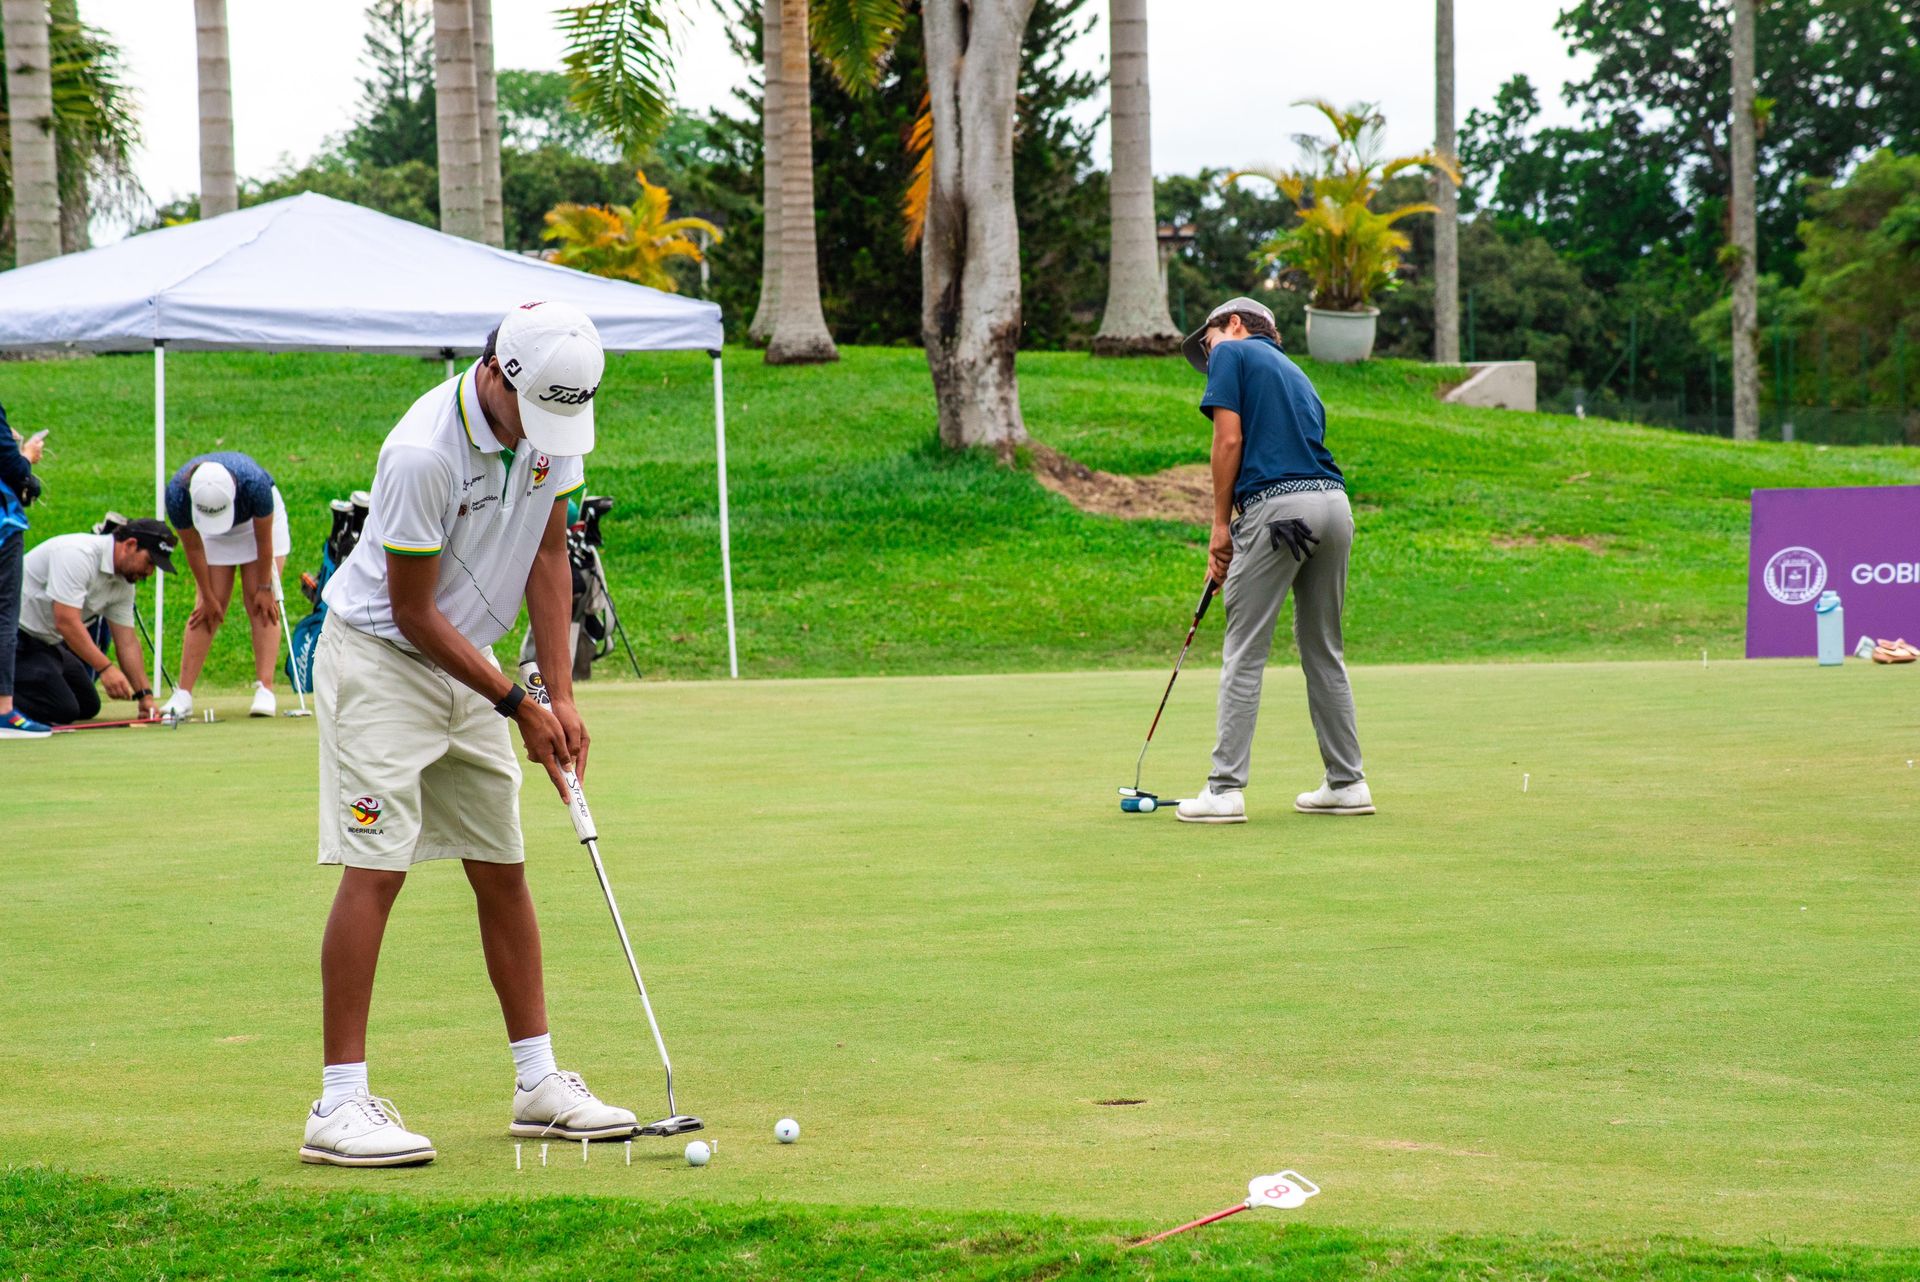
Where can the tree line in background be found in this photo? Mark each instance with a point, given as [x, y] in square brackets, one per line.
[1598, 249]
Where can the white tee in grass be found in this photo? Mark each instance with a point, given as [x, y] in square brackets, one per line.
[445, 486]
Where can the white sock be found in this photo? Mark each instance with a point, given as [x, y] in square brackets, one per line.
[533, 1060]
[338, 1083]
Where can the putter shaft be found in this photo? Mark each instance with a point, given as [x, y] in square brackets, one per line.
[1199, 613]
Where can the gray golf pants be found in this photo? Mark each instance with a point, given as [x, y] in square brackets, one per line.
[1257, 582]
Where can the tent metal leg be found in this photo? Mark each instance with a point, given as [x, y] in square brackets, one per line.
[159, 494]
[726, 548]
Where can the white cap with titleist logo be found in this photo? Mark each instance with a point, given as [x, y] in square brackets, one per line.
[211, 488]
[551, 354]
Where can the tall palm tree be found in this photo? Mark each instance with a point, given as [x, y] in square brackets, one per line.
[1746, 241]
[800, 334]
[771, 116]
[970, 254]
[487, 102]
[25, 34]
[1136, 321]
[1446, 223]
[219, 188]
[457, 116]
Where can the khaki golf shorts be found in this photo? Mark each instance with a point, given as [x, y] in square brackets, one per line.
[413, 764]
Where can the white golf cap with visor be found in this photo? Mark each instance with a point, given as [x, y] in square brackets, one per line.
[212, 489]
[1195, 346]
[551, 354]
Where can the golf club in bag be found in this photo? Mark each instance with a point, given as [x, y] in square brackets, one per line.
[1132, 800]
[348, 517]
[676, 1122]
[594, 621]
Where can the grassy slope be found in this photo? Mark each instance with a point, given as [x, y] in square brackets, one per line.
[57, 1226]
[1665, 991]
[861, 549]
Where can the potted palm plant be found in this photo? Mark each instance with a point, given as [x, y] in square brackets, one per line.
[1343, 249]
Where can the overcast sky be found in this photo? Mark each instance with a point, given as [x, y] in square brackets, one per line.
[1223, 71]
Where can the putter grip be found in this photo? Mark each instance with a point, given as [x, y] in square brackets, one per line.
[577, 809]
[535, 683]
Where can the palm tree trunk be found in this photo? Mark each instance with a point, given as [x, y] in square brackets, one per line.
[1136, 321]
[219, 189]
[1446, 223]
[36, 188]
[771, 117]
[800, 328]
[970, 255]
[1746, 243]
[487, 102]
[457, 117]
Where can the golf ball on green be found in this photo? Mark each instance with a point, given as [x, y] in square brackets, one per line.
[1148, 805]
[786, 1130]
[698, 1154]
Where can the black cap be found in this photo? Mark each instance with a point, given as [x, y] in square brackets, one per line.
[152, 535]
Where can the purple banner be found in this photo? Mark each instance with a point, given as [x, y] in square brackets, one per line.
[1862, 542]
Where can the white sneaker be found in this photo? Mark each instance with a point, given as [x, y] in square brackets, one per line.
[178, 707]
[363, 1131]
[1354, 799]
[264, 702]
[560, 1105]
[1212, 807]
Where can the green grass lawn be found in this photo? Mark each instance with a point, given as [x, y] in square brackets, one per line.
[862, 549]
[1651, 1018]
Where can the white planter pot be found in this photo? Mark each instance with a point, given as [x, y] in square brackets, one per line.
[1341, 338]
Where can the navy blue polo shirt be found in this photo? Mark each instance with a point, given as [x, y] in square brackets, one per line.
[252, 489]
[1283, 424]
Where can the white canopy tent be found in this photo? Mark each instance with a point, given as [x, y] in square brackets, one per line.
[309, 274]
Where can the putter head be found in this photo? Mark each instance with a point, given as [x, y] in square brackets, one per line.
[297, 712]
[678, 1124]
[1144, 803]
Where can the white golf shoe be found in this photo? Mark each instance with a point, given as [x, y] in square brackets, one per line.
[1354, 799]
[363, 1131]
[264, 702]
[561, 1106]
[178, 707]
[1212, 807]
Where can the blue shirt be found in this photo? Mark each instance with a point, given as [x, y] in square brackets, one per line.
[1283, 425]
[252, 489]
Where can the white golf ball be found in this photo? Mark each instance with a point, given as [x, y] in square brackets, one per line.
[698, 1153]
[786, 1130]
[1148, 805]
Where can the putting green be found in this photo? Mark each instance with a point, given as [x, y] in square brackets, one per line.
[1667, 988]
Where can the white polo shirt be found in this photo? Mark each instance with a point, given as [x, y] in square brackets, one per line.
[444, 485]
[75, 570]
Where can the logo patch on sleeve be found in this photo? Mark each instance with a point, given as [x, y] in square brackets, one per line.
[365, 814]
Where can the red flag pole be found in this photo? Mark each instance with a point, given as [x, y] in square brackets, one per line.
[1235, 1209]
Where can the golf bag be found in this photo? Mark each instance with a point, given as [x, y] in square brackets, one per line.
[591, 631]
[349, 517]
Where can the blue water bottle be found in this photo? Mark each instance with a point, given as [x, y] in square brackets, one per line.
[1832, 629]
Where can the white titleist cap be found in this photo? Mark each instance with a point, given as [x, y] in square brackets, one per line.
[551, 354]
[211, 489]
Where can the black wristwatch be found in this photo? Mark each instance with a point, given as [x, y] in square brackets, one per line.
[510, 701]
[146, 693]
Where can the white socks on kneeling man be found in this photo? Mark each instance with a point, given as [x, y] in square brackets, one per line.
[532, 1062]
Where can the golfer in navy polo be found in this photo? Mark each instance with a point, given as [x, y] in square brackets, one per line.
[1281, 523]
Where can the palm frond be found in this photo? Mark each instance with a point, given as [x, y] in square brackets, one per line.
[854, 37]
[619, 58]
[919, 146]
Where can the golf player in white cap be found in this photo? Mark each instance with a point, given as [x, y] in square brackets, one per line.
[1282, 526]
[229, 514]
[468, 519]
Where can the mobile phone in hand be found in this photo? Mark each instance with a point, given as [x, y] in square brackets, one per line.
[37, 437]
